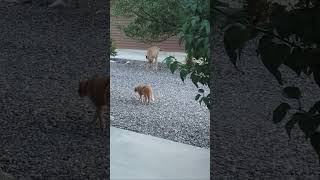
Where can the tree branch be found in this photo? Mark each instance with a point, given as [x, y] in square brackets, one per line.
[221, 12]
[260, 29]
[149, 17]
[276, 36]
[158, 21]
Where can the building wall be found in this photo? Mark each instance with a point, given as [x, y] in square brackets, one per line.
[123, 42]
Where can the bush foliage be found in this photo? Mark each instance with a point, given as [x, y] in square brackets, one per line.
[288, 36]
[113, 48]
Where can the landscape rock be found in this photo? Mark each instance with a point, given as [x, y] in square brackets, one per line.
[45, 128]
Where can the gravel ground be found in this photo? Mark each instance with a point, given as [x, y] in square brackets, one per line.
[45, 131]
[174, 115]
[246, 144]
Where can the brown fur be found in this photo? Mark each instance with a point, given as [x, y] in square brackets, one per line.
[152, 57]
[145, 93]
[98, 90]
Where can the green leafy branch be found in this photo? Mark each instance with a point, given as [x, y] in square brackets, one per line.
[196, 70]
[308, 121]
[194, 34]
[291, 39]
[113, 48]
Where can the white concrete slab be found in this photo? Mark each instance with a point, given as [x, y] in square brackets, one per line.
[135, 156]
[140, 55]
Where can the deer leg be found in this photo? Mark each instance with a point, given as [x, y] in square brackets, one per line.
[156, 63]
[100, 116]
[95, 117]
[148, 100]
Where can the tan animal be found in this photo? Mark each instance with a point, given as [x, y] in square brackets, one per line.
[152, 57]
[145, 93]
[98, 90]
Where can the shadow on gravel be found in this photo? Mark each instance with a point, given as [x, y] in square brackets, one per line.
[45, 127]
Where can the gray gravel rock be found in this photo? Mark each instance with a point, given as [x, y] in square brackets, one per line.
[6, 176]
[174, 115]
[45, 127]
[246, 144]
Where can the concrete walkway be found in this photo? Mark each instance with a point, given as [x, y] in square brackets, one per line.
[140, 55]
[137, 156]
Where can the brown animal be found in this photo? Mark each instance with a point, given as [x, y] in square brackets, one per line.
[98, 90]
[152, 57]
[145, 93]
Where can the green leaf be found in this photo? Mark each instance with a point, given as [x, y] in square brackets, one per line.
[173, 66]
[169, 60]
[316, 74]
[315, 142]
[200, 90]
[197, 97]
[235, 38]
[282, 22]
[309, 124]
[194, 7]
[201, 100]
[195, 79]
[206, 25]
[294, 61]
[185, 27]
[280, 112]
[307, 70]
[294, 119]
[206, 100]
[291, 92]
[183, 74]
[194, 20]
[315, 108]
[275, 72]
[180, 36]
[272, 55]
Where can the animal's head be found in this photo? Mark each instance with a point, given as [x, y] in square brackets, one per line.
[149, 59]
[137, 89]
[83, 88]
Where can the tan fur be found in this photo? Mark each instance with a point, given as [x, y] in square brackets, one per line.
[152, 57]
[145, 93]
[98, 90]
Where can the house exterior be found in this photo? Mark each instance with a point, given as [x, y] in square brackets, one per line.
[123, 42]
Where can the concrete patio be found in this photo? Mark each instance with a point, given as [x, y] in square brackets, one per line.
[136, 156]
